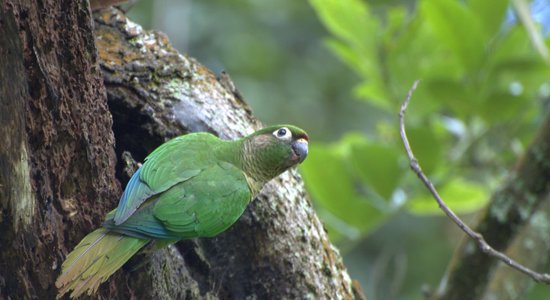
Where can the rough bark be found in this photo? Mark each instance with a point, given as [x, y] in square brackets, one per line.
[517, 222]
[57, 154]
[57, 171]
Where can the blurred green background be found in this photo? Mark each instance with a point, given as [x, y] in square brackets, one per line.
[340, 69]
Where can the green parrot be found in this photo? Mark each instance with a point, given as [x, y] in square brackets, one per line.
[195, 185]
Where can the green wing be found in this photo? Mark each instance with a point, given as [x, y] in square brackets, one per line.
[205, 205]
[202, 206]
[175, 161]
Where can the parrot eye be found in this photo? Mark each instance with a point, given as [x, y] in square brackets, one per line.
[283, 133]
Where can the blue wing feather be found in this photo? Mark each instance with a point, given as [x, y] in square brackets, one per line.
[136, 192]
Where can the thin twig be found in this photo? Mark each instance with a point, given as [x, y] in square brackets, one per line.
[483, 245]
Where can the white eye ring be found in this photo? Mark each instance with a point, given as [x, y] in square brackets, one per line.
[283, 133]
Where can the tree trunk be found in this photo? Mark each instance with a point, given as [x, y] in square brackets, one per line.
[59, 173]
[57, 158]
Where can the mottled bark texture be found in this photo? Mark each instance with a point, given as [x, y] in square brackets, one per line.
[59, 170]
[57, 154]
[517, 221]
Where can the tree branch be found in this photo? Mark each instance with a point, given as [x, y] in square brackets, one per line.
[482, 244]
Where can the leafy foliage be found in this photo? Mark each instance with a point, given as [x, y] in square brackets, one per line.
[482, 94]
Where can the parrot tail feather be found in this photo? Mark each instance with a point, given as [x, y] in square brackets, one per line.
[65, 271]
[94, 259]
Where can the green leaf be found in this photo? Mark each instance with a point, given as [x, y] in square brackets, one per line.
[346, 19]
[453, 94]
[515, 44]
[490, 13]
[357, 33]
[501, 106]
[345, 53]
[469, 65]
[458, 28]
[331, 184]
[427, 146]
[378, 165]
[374, 93]
[460, 195]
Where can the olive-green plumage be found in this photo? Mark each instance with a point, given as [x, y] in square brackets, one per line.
[195, 185]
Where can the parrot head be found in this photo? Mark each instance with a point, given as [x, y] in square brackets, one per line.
[272, 150]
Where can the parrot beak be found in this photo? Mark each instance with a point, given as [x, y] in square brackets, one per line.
[299, 148]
